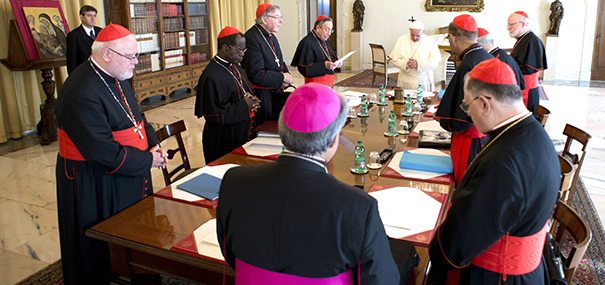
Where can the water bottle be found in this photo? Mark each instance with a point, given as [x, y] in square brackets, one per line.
[364, 106]
[408, 106]
[381, 113]
[392, 130]
[381, 96]
[417, 109]
[360, 157]
[419, 97]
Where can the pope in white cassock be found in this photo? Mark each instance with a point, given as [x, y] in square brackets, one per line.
[416, 54]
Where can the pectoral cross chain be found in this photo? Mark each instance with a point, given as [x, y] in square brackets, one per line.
[277, 61]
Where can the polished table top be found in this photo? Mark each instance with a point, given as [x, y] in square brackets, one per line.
[155, 225]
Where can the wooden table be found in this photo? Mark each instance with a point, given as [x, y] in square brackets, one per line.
[141, 236]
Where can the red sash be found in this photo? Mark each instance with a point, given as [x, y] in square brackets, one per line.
[509, 256]
[531, 82]
[327, 80]
[461, 144]
[128, 137]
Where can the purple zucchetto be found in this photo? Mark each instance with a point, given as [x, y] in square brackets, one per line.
[311, 108]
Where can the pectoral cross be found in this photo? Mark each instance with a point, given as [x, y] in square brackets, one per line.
[138, 129]
[277, 61]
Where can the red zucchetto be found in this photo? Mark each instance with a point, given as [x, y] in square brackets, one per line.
[522, 14]
[261, 9]
[112, 32]
[482, 32]
[227, 31]
[465, 22]
[321, 18]
[494, 71]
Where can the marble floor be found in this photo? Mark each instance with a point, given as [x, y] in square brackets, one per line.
[29, 239]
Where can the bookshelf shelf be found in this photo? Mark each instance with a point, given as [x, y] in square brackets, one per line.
[172, 40]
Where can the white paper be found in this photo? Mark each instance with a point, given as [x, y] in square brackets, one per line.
[432, 109]
[267, 135]
[263, 146]
[217, 171]
[206, 240]
[351, 93]
[342, 59]
[431, 125]
[423, 175]
[406, 211]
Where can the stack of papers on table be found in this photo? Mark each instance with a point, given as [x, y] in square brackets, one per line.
[408, 213]
[353, 97]
[394, 169]
[266, 145]
[203, 242]
[431, 125]
[204, 180]
[412, 93]
[430, 112]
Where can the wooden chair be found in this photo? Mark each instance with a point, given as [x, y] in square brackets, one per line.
[580, 136]
[543, 114]
[567, 222]
[380, 64]
[567, 171]
[175, 129]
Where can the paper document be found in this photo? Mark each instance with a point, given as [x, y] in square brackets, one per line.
[406, 211]
[341, 60]
[206, 240]
[263, 146]
[430, 125]
[216, 171]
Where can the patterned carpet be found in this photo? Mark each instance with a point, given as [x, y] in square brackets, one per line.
[591, 270]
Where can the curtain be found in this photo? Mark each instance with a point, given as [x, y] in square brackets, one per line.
[20, 91]
[239, 14]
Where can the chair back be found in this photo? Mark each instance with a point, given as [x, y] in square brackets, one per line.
[574, 156]
[440, 73]
[247, 274]
[543, 114]
[379, 58]
[567, 171]
[567, 222]
[174, 130]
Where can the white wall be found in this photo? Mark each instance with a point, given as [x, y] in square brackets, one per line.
[386, 20]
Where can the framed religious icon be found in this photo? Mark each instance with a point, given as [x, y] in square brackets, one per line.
[42, 26]
[454, 5]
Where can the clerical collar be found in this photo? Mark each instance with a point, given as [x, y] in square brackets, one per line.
[510, 120]
[265, 32]
[311, 158]
[523, 35]
[492, 49]
[224, 61]
[99, 67]
[470, 49]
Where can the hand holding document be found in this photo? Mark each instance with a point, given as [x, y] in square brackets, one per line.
[341, 60]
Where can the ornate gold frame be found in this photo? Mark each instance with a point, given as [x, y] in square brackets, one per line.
[453, 7]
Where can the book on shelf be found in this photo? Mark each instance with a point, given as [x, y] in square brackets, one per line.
[147, 43]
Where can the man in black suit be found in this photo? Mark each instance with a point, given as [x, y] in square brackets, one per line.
[80, 39]
[291, 216]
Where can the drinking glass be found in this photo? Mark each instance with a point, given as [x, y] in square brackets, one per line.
[374, 160]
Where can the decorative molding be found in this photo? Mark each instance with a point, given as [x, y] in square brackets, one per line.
[302, 19]
[450, 6]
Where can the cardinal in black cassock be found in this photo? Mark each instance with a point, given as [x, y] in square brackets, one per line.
[487, 42]
[529, 54]
[106, 149]
[314, 57]
[224, 98]
[264, 61]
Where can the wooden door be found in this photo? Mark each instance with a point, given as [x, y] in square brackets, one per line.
[322, 7]
[598, 55]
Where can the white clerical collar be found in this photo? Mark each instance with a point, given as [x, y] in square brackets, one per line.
[311, 158]
[523, 35]
[87, 30]
[492, 49]
[229, 63]
[510, 120]
[99, 67]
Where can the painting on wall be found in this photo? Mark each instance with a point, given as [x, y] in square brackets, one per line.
[454, 5]
[47, 30]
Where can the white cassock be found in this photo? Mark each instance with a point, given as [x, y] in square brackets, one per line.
[425, 52]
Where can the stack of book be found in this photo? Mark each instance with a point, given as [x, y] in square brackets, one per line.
[147, 42]
[199, 37]
[141, 10]
[198, 57]
[172, 9]
[197, 8]
[174, 58]
[144, 25]
[148, 63]
[196, 22]
[172, 24]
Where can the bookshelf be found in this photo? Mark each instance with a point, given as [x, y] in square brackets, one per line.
[173, 42]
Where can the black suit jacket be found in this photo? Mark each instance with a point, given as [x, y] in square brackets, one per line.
[78, 47]
[291, 216]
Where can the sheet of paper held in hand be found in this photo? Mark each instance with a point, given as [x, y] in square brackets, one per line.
[216, 171]
[341, 60]
[406, 211]
[206, 240]
[263, 146]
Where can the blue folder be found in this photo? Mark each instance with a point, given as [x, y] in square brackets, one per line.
[204, 185]
[426, 162]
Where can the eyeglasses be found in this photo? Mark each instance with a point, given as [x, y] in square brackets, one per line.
[129, 57]
[447, 37]
[239, 50]
[465, 106]
[276, 17]
[512, 24]
[326, 30]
